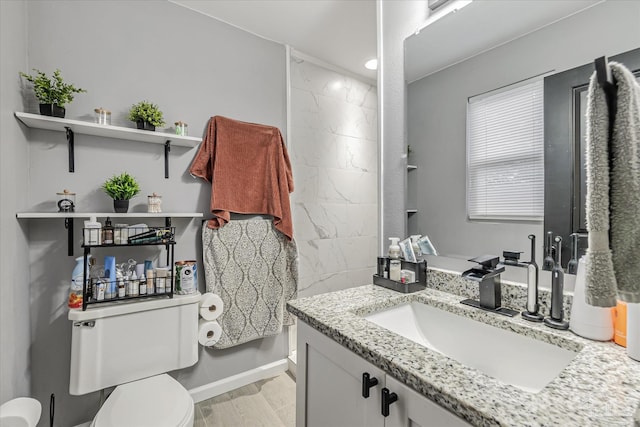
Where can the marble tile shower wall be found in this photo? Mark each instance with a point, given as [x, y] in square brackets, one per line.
[333, 151]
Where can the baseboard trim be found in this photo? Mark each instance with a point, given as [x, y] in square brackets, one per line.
[292, 363]
[233, 382]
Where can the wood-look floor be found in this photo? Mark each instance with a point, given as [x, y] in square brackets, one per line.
[267, 403]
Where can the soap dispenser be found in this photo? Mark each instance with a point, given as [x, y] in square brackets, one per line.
[394, 248]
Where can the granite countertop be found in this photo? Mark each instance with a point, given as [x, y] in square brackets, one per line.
[600, 387]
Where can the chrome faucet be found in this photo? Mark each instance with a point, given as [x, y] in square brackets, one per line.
[488, 277]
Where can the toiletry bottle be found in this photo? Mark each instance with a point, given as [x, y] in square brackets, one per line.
[110, 276]
[620, 324]
[135, 285]
[77, 277]
[394, 270]
[121, 288]
[127, 286]
[150, 286]
[143, 285]
[101, 287]
[161, 280]
[92, 232]
[394, 248]
[107, 233]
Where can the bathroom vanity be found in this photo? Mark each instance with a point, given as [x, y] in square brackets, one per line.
[344, 354]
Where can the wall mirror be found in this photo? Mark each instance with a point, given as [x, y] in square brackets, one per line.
[482, 47]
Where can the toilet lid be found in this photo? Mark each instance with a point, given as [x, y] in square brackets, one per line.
[155, 402]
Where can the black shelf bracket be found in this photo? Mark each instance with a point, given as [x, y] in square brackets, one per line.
[70, 143]
[167, 149]
[68, 224]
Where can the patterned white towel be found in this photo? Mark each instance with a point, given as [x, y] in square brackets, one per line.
[254, 269]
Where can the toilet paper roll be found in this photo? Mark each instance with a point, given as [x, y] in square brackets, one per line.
[211, 306]
[209, 332]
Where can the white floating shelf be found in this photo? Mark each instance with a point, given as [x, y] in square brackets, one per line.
[412, 211]
[412, 167]
[42, 215]
[37, 121]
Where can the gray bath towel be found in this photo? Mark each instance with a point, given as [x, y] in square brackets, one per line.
[254, 269]
[613, 267]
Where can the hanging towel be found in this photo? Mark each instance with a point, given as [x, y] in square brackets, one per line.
[254, 269]
[249, 170]
[613, 267]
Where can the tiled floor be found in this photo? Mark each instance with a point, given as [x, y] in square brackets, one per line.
[268, 403]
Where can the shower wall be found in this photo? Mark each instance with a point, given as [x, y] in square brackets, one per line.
[333, 148]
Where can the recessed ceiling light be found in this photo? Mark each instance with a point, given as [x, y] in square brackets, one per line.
[371, 64]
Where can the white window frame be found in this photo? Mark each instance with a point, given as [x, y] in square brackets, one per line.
[505, 153]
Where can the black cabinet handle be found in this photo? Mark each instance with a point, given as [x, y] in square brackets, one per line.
[367, 383]
[387, 399]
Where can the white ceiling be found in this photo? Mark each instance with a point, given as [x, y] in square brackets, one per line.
[480, 26]
[343, 32]
[339, 32]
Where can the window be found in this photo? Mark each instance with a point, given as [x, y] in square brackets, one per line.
[505, 153]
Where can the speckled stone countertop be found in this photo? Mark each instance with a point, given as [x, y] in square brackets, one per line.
[600, 387]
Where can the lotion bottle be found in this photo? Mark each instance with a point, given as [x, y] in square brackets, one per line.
[394, 248]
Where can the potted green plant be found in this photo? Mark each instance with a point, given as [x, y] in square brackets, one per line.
[147, 115]
[52, 92]
[121, 188]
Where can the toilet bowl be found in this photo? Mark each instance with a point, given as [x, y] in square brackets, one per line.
[20, 412]
[158, 401]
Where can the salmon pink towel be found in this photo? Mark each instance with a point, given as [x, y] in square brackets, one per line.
[249, 170]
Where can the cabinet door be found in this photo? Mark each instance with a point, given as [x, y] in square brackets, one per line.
[329, 384]
[415, 410]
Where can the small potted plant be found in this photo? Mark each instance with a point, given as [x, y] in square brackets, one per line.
[146, 115]
[52, 92]
[121, 188]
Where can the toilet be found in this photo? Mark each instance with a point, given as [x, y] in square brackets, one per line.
[132, 346]
[20, 412]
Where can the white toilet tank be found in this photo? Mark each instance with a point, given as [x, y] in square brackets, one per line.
[116, 344]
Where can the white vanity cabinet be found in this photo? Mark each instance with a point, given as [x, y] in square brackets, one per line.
[329, 390]
[414, 410]
[329, 384]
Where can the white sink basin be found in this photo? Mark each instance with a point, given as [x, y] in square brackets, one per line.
[509, 357]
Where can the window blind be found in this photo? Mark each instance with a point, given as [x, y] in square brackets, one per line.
[505, 154]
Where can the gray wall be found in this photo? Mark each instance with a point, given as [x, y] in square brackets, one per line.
[194, 67]
[396, 21]
[15, 309]
[437, 120]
